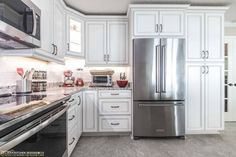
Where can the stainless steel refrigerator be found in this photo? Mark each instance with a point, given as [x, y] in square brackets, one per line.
[159, 87]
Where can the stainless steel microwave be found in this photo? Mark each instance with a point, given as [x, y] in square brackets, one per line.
[19, 24]
[102, 80]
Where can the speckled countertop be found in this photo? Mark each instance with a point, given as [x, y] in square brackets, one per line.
[15, 106]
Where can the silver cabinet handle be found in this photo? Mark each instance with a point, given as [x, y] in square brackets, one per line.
[203, 69]
[79, 100]
[115, 124]
[72, 118]
[104, 57]
[203, 54]
[108, 57]
[68, 46]
[161, 27]
[115, 94]
[73, 140]
[54, 49]
[157, 28]
[207, 55]
[207, 71]
[71, 100]
[115, 106]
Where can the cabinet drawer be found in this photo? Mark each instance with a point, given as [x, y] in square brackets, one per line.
[114, 94]
[71, 117]
[72, 141]
[114, 106]
[114, 123]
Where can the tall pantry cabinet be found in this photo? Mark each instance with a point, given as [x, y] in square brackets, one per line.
[204, 70]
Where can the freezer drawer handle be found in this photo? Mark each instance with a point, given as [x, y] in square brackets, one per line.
[161, 105]
[115, 123]
[115, 106]
[115, 94]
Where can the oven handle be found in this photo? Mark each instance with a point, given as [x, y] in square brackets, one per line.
[17, 140]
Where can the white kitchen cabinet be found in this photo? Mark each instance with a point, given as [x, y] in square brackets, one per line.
[214, 94]
[214, 37]
[145, 22]
[90, 111]
[163, 23]
[46, 29]
[204, 97]
[117, 42]
[195, 36]
[204, 37]
[114, 106]
[106, 42]
[115, 123]
[96, 43]
[59, 30]
[171, 23]
[75, 36]
[79, 99]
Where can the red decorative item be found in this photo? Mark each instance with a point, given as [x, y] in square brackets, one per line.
[80, 82]
[122, 83]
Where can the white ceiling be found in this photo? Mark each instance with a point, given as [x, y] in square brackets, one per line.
[120, 6]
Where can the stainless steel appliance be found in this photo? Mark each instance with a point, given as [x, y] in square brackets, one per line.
[159, 87]
[19, 24]
[102, 81]
[40, 132]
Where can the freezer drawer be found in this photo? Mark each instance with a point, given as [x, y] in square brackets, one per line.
[159, 119]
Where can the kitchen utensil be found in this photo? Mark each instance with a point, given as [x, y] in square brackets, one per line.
[30, 76]
[20, 71]
[122, 83]
[26, 74]
[122, 76]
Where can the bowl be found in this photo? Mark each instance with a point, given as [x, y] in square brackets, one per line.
[122, 83]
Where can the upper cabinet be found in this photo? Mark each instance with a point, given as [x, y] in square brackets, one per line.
[59, 34]
[107, 42]
[205, 36]
[75, 36]
[163, 23]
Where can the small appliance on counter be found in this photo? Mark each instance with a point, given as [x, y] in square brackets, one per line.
[69, 80]
[122, 82]
[101, 78]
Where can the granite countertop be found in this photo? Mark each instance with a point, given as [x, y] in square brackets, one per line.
[17, 106]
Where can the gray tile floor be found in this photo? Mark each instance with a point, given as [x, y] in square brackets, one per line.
[223, 145]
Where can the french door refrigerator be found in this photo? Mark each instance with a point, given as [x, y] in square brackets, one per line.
[159, 87]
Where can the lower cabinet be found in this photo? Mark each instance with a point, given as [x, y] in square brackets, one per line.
[74, 121]
[107, 111]
[90, 110]
[204, 98]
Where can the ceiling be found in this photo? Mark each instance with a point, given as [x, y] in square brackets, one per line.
[120, 6]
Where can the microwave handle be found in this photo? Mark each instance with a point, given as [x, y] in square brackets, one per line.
[34, 23]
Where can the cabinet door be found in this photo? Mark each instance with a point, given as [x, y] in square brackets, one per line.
[214, 98]
[90, 111]
[96, 43]
[117, 42]
[195, 37]
[75, 37]
[46, 7]
[194, 97]
[145, 23]
[214, 37]
[171, 23]
[79, 114]
[59, 29]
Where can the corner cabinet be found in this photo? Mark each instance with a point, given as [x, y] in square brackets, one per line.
[204, 99]
[152, 23]
[107, 42]
[205, 36]
[75, 35]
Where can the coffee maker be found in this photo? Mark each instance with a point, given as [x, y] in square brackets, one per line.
[69, 80]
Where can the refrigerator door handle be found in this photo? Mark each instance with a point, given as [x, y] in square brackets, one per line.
[163, 69]
[158, 76]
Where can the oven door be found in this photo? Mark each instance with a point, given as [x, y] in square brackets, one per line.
[44, 136]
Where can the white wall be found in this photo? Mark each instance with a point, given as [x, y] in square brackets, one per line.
[8, 65]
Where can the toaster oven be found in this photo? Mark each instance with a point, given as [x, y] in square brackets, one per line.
[101, 81]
